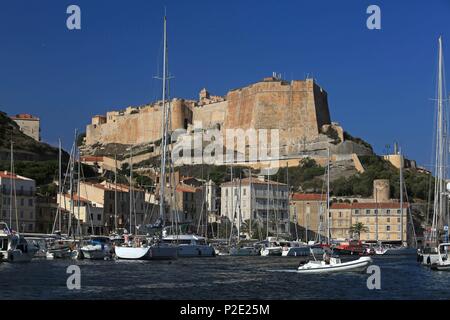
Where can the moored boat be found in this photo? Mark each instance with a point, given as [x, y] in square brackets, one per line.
[335, 265]
[14, 247]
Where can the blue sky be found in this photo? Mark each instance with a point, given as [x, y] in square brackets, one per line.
[379, 82]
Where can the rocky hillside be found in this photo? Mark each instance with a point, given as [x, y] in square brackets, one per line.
[25, 148]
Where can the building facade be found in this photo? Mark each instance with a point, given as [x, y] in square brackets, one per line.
[309, 212]
[21, 207]
[260, 201]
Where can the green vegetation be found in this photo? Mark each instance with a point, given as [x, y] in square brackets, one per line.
[357, 228]
[417, 183]
[306, 177]
[25, 148]
[360, 141]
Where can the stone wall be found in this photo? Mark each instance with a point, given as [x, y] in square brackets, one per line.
[297, 108]
[138, 125]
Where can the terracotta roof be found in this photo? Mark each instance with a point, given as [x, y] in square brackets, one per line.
[309, 197]
[247, 181]
[186, 188]
[24, 116]
[9, 175]
[76, 198]
[341, 206]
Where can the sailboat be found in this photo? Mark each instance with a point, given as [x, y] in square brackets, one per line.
[429, 253]
[154, 249]
[403, 249]
[13, 246]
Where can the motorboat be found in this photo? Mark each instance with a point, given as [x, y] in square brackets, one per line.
[443, 264]
[349, 248]
[335, 265]
[14, 247]
[428, 255]
[394, 251]
[98, 248]
[271, 247]
[190, 245]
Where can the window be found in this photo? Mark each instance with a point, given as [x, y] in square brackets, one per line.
[356, 211]
[388, 228]
[30, 227]
[398, 211]
[388, 211]
[99, 217]
[388, 219]
[31, 214]
[398, 228]
[376, 211]
[367, 211]
[22, 202]
[245, 192]
[30, 202]
[398, 220]
[21, 214]
[340, 214]
[226, 192]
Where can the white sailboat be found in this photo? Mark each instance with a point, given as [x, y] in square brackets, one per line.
[429, 254]
[152, 249]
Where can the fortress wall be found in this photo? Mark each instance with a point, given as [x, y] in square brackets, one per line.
[210, 114]
[298, 109]
[141, 127]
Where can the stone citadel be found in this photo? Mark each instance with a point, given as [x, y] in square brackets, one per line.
[298, 109]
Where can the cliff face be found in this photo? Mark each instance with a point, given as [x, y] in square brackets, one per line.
[25, 147]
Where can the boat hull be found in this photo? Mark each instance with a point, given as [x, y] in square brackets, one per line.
[146, 253]
[269, 252]
[352, 266]
[18, 256]
[195, 251]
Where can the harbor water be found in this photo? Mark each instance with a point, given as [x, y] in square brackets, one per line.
[222, 277]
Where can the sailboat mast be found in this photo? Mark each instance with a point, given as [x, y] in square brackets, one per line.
[163, 128]
[328, 195]
[59, 183]
[115, 192]
[131, 191]
[401, 196]
[11, 187]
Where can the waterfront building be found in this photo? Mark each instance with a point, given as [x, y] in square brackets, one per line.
[258, 200]
[88, 214]
[21, 205]
[28, 124]
[46, 211]
[308, 210]
[104, 195]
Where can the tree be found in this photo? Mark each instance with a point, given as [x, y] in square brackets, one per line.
[357, 228]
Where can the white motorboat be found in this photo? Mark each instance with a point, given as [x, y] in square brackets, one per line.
[98, 248]
[428, 256]
[190, 245]
[14, 247]
[442, 264]
[335, 265]
[271, 247]
[394, 251]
